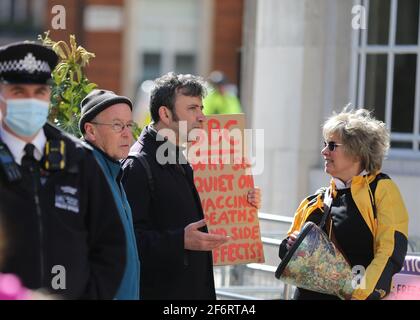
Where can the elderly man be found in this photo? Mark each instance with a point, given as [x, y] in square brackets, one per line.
[64, 233]
[106, 124]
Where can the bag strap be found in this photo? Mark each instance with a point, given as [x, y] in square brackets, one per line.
[372, 190]
[143, 161]
[327, 206]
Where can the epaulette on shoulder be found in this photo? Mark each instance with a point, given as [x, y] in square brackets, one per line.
[78, 143]
[86, 145]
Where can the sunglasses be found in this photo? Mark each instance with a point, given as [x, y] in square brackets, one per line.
[332, 145]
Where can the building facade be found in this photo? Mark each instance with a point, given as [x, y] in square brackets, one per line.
[138, 40]
[302, 60]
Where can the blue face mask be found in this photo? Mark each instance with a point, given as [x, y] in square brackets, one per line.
[26, 117]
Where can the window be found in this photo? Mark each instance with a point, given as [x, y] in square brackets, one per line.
[151, 65]
[22, 17]
[185, 63]
[20, 11]
[5, 11]
[386, 70]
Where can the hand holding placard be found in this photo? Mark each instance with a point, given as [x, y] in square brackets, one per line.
[254, 197]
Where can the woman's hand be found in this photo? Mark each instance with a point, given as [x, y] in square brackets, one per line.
[291, 239]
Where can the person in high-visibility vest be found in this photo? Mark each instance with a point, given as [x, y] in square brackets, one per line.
[220, 100]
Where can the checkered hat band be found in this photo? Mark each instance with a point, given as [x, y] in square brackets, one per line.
[28, 64]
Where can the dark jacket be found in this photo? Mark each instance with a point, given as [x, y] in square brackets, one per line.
[77, 228]
[129, 288]
[168, 270]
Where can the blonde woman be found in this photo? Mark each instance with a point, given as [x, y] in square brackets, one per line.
[368, 220]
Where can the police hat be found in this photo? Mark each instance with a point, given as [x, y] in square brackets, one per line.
[27, 63]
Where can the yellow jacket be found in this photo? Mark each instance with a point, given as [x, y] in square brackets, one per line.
[388, 224]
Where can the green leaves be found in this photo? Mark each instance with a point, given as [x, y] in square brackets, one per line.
[70, 85]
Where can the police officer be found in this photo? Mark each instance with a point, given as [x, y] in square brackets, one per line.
[220, 99]
[64, 231]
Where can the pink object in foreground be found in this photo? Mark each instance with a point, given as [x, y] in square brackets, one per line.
[11, 288]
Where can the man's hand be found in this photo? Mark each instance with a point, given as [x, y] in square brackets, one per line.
[254, 197]
[197, 240]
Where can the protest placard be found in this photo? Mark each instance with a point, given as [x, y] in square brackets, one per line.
[222, 176]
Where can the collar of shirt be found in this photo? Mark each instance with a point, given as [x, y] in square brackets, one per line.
[344, 185]
[16, 145]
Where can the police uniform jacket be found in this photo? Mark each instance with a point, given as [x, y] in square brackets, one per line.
[74, 244]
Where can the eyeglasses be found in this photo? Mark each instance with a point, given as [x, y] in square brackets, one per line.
[332, 145]
[117, 126]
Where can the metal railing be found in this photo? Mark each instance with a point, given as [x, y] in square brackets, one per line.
[264, 282]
